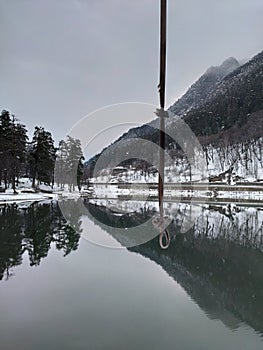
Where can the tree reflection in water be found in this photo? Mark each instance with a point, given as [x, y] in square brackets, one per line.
[33, 229]
[218, 261]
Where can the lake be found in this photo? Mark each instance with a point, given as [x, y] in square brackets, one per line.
[76, 287]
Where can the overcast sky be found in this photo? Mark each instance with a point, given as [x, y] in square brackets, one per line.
[62, 59]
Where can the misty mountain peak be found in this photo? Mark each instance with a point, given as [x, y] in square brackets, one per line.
[199, 91]
[228, 66]
[230, 63]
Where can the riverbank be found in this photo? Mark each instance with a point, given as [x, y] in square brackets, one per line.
[23, 197]
[36, 196]
[219, 192]
[180, 191]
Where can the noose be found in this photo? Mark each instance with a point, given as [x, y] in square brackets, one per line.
[164, 237]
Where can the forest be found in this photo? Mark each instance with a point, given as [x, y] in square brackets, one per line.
[36, 159]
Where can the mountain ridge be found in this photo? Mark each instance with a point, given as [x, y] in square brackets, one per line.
[230, 102]
[198, 91]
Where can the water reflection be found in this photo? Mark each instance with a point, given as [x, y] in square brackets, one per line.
[241, 224]
[218, 261]
[33, 228]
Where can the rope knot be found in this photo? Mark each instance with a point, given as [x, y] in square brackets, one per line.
[161, 113]
[161, 224]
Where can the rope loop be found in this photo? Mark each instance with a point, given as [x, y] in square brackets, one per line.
[164, 239]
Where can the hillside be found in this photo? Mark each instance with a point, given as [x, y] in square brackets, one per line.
[224, 109]
[232, 102]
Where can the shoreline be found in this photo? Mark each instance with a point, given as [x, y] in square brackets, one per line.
[202, 192]
[194, 192]
[25, 197]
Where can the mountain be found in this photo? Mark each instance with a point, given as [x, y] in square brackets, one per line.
[232, 102]
[195, 96]
[224, 109]
[199, 91]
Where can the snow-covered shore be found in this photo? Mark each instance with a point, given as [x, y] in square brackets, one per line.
[127, 191]
[22, 197]
[202, 192]
[36, 197]
[25, 193]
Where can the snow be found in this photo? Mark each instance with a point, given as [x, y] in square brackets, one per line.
[22, 197]
[205, 191]
[230, 163]
[26, 194]
[43, 187]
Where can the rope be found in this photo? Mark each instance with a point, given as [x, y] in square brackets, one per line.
[164, 239]
[163, 25]
[164, 235]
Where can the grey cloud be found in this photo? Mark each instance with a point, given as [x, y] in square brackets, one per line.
[62, 59]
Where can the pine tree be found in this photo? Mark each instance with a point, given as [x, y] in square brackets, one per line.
[5, 124]
[69, 164]
[61, 163]
[13, 140]
[42, 155]
[18, 139]
[74, 162]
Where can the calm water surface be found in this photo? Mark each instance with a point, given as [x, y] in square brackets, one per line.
[59, 291]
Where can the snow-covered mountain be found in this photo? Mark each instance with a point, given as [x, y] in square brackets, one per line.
[199, 91]
[224, 109]
[232, 102]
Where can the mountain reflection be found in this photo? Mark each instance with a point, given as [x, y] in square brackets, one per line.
[32, 228]
[218, 261]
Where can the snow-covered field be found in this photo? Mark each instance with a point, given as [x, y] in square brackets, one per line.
[22, 197]
[25, 193]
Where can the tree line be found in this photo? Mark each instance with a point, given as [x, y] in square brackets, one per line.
[36, 159]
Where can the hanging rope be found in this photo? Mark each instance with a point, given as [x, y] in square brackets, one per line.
[163, 25]
[164, 238]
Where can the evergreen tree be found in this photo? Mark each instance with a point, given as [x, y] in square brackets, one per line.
[42, 155]
[13, 140]
[69, 165]
[5, 124]
[74, 162]
[18, 137]
[61, 161]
